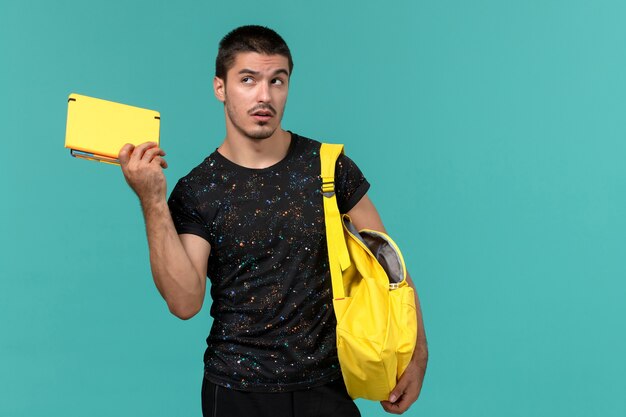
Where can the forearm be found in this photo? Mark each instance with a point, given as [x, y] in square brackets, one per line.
[420, 354]
[179, 283]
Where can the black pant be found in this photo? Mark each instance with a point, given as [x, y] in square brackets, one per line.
[329, 400]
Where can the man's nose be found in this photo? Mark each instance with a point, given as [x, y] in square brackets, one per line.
[263, 94]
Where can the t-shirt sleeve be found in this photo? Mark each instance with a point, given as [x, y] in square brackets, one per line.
[185, 211]
[350, 183]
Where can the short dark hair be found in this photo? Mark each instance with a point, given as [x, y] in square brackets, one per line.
[250, 38]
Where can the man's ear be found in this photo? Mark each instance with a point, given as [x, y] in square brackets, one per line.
[219, 88]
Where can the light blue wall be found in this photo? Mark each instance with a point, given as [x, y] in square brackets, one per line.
[492, 133]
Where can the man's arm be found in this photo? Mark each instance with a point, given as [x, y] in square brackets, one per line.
[178, 262]
[365, 216]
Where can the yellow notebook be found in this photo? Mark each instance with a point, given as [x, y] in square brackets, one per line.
[97, 129]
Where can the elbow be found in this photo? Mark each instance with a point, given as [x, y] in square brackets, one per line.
[184, 303]
[184, 311]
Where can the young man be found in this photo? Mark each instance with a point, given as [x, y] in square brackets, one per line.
[251, 218]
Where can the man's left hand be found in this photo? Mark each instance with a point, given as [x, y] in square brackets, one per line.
[406, 391]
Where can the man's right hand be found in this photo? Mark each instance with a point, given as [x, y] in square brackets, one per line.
[143, 169]
[178, 262]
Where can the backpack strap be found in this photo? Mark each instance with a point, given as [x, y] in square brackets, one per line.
[338, 257]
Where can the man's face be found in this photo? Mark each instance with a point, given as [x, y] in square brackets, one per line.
[255, 93]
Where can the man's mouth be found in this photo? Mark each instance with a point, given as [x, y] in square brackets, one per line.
[262, 115]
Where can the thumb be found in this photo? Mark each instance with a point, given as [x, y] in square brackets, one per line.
[398, 391]
[124, 155]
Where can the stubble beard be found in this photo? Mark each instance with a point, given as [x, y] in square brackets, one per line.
[264, 132]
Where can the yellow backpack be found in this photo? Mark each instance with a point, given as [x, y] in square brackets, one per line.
[374, 305]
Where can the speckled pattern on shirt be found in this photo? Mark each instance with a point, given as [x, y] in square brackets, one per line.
[274, 326]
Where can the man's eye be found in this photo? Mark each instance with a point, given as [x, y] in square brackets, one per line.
[247, 80]
[277, 81]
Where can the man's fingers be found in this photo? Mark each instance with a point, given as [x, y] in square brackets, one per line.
[160, 161]
[398, 391]
[402, 396]
[146, 152]
[124, 154]
[393, 408]
[139, 150]
[400, 406]
[151, 153]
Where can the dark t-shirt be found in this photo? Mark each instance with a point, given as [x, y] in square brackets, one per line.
[274, 325]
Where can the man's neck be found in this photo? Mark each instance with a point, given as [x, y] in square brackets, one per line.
[256, 153]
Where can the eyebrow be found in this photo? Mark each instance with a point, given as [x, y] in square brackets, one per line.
[278, 71]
